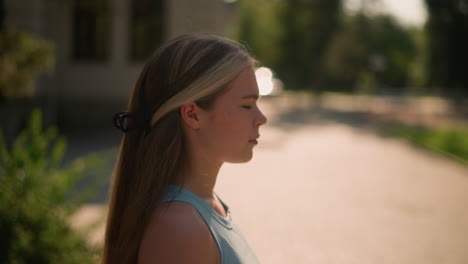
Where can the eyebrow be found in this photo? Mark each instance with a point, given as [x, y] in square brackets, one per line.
[251, 96]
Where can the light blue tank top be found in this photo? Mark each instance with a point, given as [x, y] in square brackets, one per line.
[233, 247]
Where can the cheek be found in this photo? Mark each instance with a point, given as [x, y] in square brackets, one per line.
[229, 127]
[226, 138]
[224, 124]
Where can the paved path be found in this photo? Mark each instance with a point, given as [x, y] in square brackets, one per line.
[320, 190]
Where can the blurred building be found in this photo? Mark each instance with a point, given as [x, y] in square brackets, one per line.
[101, 46]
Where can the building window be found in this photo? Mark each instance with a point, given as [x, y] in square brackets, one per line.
[91, 29]
[146, 27]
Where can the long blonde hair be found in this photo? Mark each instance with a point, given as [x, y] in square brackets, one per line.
[188, 68]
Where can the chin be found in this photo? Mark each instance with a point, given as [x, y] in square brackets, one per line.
[243, 159]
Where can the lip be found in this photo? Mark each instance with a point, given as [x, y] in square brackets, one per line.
[253, 141]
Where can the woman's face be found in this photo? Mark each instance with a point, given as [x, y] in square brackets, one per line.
[231, 126]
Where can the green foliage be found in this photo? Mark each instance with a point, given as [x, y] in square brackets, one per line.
[34, 203]
[258, 29]
[306, 30]
[451, 141]
[370, 51]
[418, 69]
[22, 58]
[447, 30]
[289, 36]
[314, 45]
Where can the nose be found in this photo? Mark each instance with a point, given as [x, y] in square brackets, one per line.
[261, 118]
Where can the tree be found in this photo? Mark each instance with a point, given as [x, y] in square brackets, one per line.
[2, 15]
[307, 27]
[258, 29]
[447, 30]
[22, 58]
[373, 51]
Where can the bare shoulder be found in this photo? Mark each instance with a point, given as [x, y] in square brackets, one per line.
[177, 234]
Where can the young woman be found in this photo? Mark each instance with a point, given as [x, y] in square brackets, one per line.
[192, 109]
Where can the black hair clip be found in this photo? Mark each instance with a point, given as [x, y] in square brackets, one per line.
[123, 125]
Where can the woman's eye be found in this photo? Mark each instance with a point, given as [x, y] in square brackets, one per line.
[247, 106]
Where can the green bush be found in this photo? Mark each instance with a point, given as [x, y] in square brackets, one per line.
[449, 141]
[35, 205]
[22, 58]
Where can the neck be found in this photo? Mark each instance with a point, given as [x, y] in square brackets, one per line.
[200, 176]
[202, 169]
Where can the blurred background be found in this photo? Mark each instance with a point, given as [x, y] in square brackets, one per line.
[364, 158]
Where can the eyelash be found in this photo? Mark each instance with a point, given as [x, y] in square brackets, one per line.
[247, 106]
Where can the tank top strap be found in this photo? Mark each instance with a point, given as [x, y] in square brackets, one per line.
[177, 193]
[233, 248]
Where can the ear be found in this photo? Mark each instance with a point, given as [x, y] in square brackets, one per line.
[190, 114]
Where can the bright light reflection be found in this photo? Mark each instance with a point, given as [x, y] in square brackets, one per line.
[264, 80]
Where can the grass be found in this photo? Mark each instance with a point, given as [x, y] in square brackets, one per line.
[446, 140]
